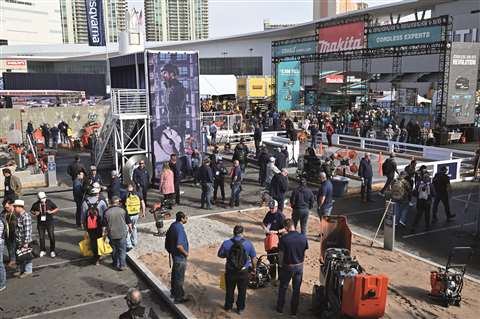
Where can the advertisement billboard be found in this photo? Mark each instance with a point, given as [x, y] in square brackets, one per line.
[294, 49]
[288, 84]
[95, 25]
[256, 87]
[462, 83]
[412, 36]
[334, 78]
[343, 37]
[174, 97]
[242, 87]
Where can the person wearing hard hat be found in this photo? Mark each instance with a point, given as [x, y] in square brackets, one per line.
[44, 209]
[23, 233]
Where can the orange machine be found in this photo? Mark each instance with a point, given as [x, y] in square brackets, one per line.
[345, 290]
[364, 296]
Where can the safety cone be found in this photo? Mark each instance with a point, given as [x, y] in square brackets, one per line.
[380, 161]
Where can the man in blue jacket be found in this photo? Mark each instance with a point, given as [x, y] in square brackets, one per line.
[179, 253]
[234, 275]
[141, 178]
[365, 171]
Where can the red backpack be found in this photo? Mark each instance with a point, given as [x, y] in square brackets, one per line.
[92, 215]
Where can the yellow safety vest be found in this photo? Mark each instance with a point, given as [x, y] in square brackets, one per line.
[133, 205]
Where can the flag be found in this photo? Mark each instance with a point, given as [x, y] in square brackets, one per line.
[95, 25]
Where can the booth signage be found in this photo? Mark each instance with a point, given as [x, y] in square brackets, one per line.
[288, 84]
[334, 78]
[344, 37]
[405, 37]
[462, 83]
[301, 48]
[256, 87]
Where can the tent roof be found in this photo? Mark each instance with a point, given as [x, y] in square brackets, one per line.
[218, 84]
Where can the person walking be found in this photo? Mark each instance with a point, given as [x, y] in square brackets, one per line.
[219, 173]
[313, 135]
[240, 256]
[93, 214]
[177, 176]
[365, 171]
[54, 134]
[389, 168]
[425, 193]
[3, 237]
[78, 196]
[8, 214]
[301, 200]
[205, 177]
[279, 187]
[280, 159]
[116, 225]
[257, 136]
[292, 247]
[325, 196]
[411, 177]
[213, 133]
[176, 244]
[263, 159]
[236, 184]
[141, 178]
[400, 194]
[115, 187]
[272, 225]
[135, 308]
[240, 154]
[75, 167]
[44, 209]
[12, 185]
[94, 177]
[23, 233]
[135, 206]
[167, 184]
[272, 170]
[441, 183]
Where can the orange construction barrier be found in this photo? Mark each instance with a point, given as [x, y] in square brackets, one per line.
[380, 162]
[364, 296]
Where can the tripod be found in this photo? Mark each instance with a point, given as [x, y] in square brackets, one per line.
[389, 202]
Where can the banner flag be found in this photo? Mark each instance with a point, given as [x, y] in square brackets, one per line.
[95, 25]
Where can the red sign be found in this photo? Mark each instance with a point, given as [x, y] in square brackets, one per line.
[334, 78]
[16, 62]
[344, 37]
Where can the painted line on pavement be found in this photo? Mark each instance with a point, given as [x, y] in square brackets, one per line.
[437, 230]
[361, 212]
[61, 262]
[49, 312]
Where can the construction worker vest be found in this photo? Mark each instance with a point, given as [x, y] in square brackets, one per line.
[132, 203]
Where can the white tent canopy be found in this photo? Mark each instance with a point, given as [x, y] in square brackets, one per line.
[218, 85]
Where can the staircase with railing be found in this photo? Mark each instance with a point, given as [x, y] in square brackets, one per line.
[127, 114]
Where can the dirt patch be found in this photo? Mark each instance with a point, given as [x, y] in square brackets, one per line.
[408, 278]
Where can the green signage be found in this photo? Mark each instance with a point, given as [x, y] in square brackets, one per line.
[302, 48]
[412, 36]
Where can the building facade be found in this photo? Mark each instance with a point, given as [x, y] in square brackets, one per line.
[329, 8]
[30, 22]
[74, 21]
[176, 20]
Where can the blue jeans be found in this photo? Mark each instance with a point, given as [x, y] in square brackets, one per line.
[11, 249]
[26, 266]
[401, 212]
[206, 197]
[322, 211]
[235, 195]
[302, 216]
[119, 252]
[132, 238]
[178, 278]
[295, 274]
[3, 278]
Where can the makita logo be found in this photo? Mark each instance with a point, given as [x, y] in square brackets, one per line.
[342, 44]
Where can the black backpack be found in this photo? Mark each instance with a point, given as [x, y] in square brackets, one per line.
[171, 240]
[237, 256]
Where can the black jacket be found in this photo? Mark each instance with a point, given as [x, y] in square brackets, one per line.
[205, 174]
[279, 185]
[302, 198]
[280, 160]
[365, 169]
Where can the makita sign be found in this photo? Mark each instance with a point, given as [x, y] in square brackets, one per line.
[94, 12]
[344, 37]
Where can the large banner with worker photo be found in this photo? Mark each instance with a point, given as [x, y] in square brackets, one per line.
[462, 83]
[174, 98]
[288, 85]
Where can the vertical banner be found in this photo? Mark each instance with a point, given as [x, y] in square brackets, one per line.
[174, 96]
[288, 85]
[95, 25]
[462, 83]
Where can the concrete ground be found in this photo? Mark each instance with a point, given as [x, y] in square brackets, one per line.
[69, 286]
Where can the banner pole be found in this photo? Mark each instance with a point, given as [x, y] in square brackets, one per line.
[107, 38]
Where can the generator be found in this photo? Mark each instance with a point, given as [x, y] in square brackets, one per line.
[345, 290]
[447, 284]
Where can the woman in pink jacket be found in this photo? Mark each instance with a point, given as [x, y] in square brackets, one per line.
[167, 187]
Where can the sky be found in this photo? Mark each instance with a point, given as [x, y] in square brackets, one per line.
[228, 17]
